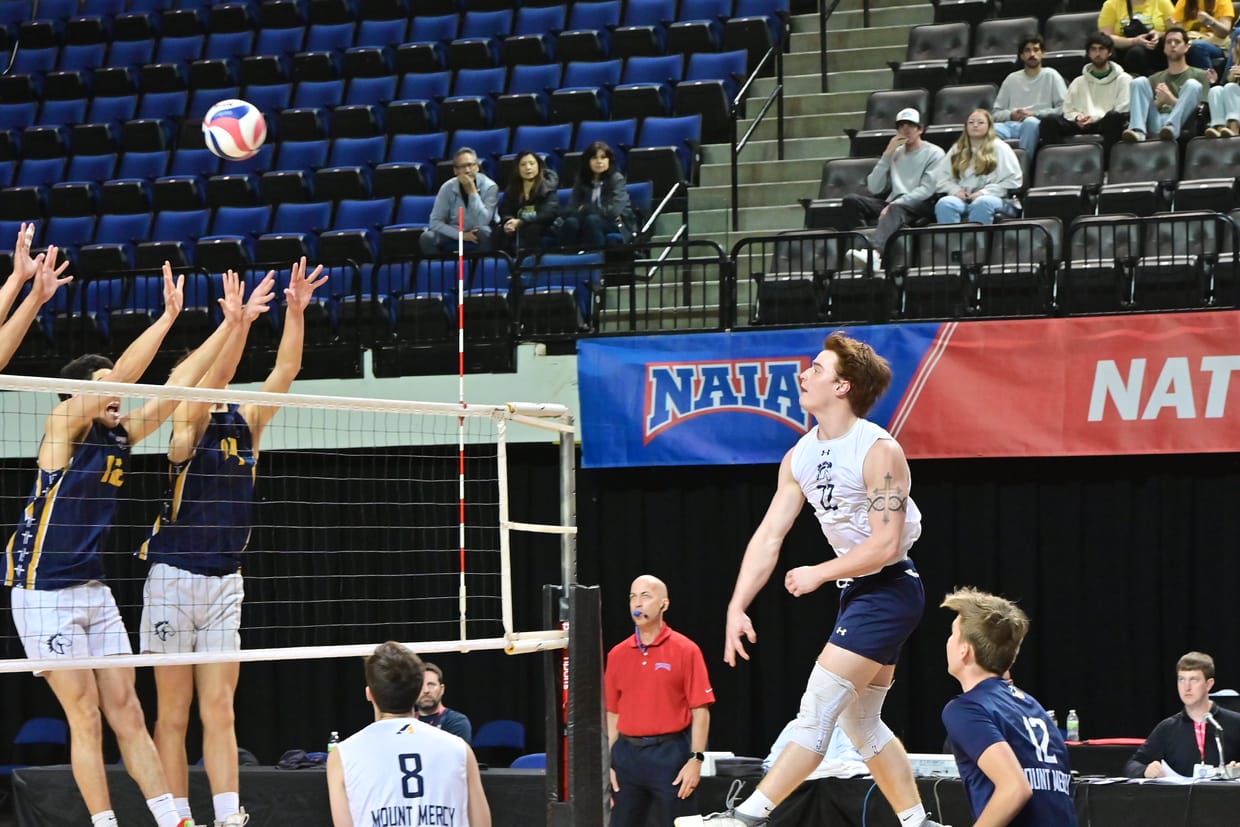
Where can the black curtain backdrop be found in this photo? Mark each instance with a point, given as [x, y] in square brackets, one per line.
[1123, 563]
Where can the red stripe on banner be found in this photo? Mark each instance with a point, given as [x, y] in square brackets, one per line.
[1133, 384]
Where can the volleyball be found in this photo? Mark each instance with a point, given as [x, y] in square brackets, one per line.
[234, 129]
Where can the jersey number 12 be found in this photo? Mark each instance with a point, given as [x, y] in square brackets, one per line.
[1040, 737]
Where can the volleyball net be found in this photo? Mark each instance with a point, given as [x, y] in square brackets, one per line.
[372, 520]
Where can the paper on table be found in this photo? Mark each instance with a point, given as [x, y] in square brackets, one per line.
[1170, 776]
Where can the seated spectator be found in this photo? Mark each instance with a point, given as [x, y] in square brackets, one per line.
[1097, 101]
[600, 203]
[1027, 96]
[1137, 27]
[530, 205]
[1166, 101]
[1225, 99]
[907, 172]
[1208, 23]
[978, 175]
[470, 190]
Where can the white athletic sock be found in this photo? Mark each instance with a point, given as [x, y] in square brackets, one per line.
[757, 805]
[913, 816]
[182, 805]
[226, 804]
[164, 809]
[107, 818]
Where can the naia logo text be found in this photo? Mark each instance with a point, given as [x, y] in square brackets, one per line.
[678, 391]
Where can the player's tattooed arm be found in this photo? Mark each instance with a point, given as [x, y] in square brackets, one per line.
[886, 499]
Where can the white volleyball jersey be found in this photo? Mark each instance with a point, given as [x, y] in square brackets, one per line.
[400, 771]
[831, 475]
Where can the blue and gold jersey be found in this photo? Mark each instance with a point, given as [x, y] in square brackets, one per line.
[57, 543]
[205, 521]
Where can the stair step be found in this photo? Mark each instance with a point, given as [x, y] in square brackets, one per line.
[805, 126]
[774, 191]
[759, 151]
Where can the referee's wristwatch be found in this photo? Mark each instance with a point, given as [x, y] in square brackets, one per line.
[697, 756]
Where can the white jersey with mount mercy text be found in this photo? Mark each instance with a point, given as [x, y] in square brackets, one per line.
[400, 771]
[831, 475]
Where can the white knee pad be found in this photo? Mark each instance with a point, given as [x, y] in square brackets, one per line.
[863, 724]
[826, 696]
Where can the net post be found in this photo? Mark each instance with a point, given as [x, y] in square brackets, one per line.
[587, 731]
[568, 508]
[555, 696]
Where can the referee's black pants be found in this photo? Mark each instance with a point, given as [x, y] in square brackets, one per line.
[645, 772]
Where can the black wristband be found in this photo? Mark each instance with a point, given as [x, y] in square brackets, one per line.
[697, 756]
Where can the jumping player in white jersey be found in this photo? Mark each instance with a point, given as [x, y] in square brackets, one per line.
[400, 770]
[855, 476]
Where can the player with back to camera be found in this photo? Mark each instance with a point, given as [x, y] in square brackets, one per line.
[399, 770]
[855, 476]
[61, 607]
[193, 593]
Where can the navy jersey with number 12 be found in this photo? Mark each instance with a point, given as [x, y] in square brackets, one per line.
[993, 712]
[57, 542]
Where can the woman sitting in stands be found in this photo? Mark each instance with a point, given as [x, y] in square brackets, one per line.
[1209, 29]
[1137, 27]
[978, 175]
[530, 205]
[600, 203]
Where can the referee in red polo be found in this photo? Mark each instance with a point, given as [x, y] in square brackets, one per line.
[658, 714]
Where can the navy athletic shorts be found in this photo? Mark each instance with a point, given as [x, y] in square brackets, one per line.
[879, 611]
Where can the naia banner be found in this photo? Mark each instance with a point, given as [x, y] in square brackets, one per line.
[1134, 384]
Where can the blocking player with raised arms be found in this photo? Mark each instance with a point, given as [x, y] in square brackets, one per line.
[194, 590]
[54, 562]
[855, 476]
[1012, 759]
[46, 281]
[400, 770]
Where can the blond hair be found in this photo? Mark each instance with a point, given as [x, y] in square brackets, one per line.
[994, 626]
[982, 157]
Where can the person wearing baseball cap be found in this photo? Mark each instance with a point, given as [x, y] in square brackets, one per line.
[906, 172]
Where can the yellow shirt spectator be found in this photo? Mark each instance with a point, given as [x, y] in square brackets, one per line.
[1157, 15]
[1188, 15]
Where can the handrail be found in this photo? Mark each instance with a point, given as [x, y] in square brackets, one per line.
[824, 13]
[777, 97]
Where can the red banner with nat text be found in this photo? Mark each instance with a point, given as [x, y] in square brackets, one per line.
[1131, 384]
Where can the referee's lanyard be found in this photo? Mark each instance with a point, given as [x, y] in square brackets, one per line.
[637, 636]
[437, 720]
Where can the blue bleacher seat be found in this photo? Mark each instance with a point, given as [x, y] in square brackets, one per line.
[294, 231]
[586, 90]
[180, 49]
[31, 61]
[200, 100]
[527, 99]
[319, 93]
[429, 147]
[304, 155]
[699, 27]
[381, 32]
[479, 42]
[551, 142]
[269, 98]
[376, 90]
[557, 296]
[588, 34]
[532, 39]
[355, 230]
[357, 151]
[647, 86]
[472, 102]
[488, 144]
[230, 244]
[644, 31]
[667, 152]
[132, 53]
[82, 56]
[63, 112]
[710, 85]
[149, 165]
[193, 162]
[173, 236]
[163, 104]
[112, 109]
[40, 172]
[327, 37]
[17, 116]
[69, 231]
[229, 44]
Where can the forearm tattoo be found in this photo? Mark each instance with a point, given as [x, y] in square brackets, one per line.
[887, 498]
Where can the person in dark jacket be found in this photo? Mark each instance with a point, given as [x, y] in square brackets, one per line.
[530, 205]
[600, 202]
[1193, 735]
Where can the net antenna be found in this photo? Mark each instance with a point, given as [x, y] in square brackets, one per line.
[356, 502]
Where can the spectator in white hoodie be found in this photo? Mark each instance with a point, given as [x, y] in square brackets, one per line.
[1097, 101]
[978, 175]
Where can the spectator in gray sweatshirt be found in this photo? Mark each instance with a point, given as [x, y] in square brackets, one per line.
[1028, 95]
[907, 173]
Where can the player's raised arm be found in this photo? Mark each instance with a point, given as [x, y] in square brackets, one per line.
[761, 555]
[297, 297]
[47, 280]
[189, 421]
[24, 268]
